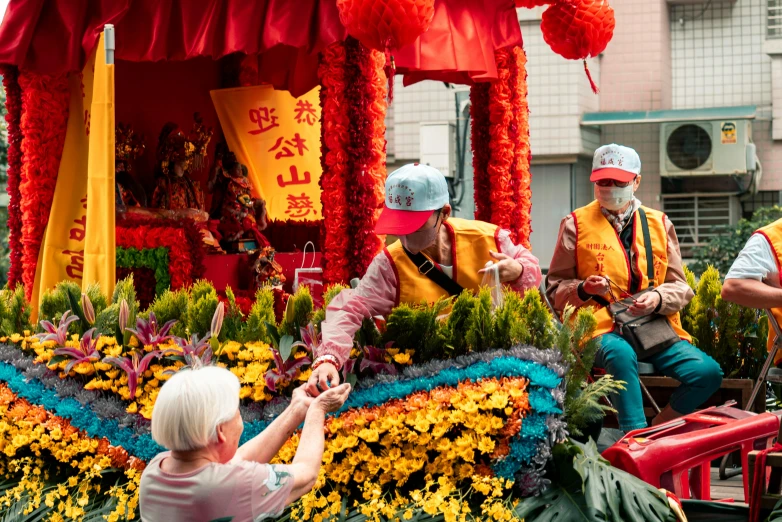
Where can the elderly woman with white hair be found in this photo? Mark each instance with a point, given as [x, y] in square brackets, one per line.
[205, 475]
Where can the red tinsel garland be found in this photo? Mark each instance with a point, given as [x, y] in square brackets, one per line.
[523, 152]
[43, 124]
[479, 137]
[13, 117]
[334, 160]
[501, 146]
[182, 238]
[366, 97]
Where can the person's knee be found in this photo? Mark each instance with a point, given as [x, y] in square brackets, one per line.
[618, 351]
[708, 375]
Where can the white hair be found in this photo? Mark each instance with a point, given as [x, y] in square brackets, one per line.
[191, 405]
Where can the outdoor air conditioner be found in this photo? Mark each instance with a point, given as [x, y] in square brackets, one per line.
[706, 148]
[438, 146]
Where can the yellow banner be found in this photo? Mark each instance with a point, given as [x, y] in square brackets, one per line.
[62, 252]
[100, 254]
[278, 137]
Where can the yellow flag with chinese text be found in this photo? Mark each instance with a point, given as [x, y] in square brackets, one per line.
[278, 137]
[100, 252]
[61, 257]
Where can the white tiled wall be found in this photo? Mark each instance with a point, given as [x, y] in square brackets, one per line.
[718, 58]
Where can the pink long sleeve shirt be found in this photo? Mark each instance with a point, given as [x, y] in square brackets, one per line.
[376, 295]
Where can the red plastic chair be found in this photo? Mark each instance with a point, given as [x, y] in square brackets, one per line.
[677, 455]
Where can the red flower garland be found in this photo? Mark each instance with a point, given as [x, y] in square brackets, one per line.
[523, 152]
[182, 238]
[479, 137]
[44, 122]
[366, 96]
[500, 145]
[13, 117]
[334, 160]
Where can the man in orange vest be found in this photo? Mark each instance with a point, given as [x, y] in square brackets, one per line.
[436, 256]
[601, 250]
[754, 279]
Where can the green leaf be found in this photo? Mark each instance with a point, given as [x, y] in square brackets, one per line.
[286, 346]
[352, 379]
[556, 504]
[215, 344]
[57, 359]
[271, 329]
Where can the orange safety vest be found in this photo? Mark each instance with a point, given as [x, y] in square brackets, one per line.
[471, 242]
[599, 251]
[773, 234]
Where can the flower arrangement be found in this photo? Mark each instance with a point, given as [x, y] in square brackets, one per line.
[457, 417]
[13, 118]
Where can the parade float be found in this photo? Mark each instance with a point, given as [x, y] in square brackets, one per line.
[138, 251]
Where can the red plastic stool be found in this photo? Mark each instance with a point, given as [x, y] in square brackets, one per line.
[677, 455]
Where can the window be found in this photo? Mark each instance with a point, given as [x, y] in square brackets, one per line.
[765, 198]
[774, 18]
[698, 218]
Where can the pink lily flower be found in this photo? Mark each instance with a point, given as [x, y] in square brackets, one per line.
[133, 367]
[87, 351]
[58, 333]
[284, 370]
[147, 331]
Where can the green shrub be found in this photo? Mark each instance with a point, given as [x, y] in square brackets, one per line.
[261, 313]
[233, 322]
[480, 324]
[171, 305]
[15, 312]
[107, 321]
[724, 247]
[328, 295]
[456, 324]
[201, 308]
[300, 312]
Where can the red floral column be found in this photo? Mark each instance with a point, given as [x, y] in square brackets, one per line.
[500, 144]
[13, 118]
[44, 122]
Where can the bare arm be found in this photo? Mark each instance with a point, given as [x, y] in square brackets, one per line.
[264, 446]
[751, 293]
[309, 455]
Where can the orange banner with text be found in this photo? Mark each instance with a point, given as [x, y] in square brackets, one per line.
[278, 137]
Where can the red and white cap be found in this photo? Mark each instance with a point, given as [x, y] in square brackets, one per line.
[615, 162]
[413, 191]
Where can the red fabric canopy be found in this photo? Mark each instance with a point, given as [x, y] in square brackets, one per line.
[55, 36]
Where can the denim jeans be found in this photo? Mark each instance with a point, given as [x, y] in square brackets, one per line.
[699, 375]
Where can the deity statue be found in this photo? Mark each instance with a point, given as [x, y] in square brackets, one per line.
[179, 154]
[241, 216]
[128, 147]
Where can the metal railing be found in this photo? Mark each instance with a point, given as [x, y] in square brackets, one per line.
[774, 19]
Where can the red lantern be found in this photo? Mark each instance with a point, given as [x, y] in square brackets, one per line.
[579, 29]
[386, 24]
[530, 4]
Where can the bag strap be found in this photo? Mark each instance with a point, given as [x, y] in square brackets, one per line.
[427, 267]
[647, 247]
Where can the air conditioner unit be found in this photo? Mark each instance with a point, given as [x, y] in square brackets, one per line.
[438, 147]
[706, 148]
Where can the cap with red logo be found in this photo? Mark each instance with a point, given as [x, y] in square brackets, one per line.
[412, 193]
[615, 162]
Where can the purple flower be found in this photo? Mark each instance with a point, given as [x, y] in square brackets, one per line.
[133, 367]
[87, 308]
[147, 331]
[217, 320]
[284, 370]
[87, 351]
[375, 360]
[309, 339]
[58, 333]
[195, 347]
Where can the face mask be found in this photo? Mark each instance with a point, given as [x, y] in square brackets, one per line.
[421, 239]
[614, 198]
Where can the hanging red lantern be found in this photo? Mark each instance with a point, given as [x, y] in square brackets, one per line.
[530, 4]
[386, 24]
[579, 29]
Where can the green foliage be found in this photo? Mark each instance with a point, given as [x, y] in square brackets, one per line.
[328, 295]
[418, 327]
[723, 248]
[97, 298]
[537, 321]
[588, 489]
[480, 324]
[107, 320]
[15, 311]
[201, 308]
[233, 323]
[456, 324]
[171, 305]
[261, 313]
[733, 335]
[301, 305]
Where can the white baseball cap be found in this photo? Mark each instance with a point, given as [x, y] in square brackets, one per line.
[413, 191]
[615, 162]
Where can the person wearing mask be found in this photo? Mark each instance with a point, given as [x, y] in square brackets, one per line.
[436, 256]
[754, 278]
[601, 254]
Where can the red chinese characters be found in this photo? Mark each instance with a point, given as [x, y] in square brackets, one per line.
[264, 118]
[305, 113]
[75, 267]
[300, 206]
[294, 180]
[285, 148]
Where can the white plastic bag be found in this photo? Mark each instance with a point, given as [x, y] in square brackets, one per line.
[311, 277]
[491, 280]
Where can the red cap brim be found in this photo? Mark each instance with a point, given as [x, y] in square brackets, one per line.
[401, 222]
[609, 173]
